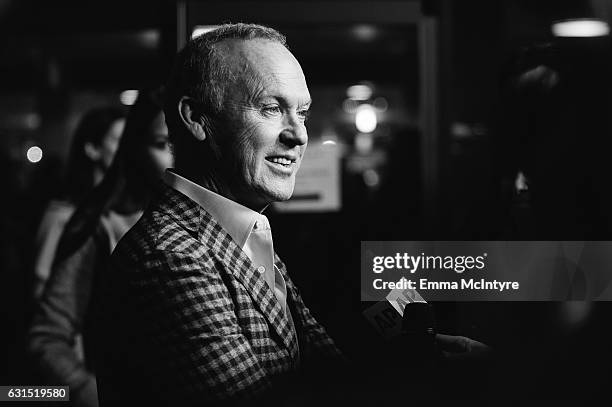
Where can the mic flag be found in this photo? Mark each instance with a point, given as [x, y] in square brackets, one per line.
[385, 319]
[400, 298]
[386, 316]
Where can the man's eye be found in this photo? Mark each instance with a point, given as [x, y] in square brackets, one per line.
[272, 109]
[304, 114]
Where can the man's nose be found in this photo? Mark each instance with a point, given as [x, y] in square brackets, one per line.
[294, 133]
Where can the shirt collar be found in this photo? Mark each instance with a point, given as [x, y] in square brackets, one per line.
[236, 219]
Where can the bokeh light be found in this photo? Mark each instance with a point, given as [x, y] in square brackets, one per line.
[34, 154]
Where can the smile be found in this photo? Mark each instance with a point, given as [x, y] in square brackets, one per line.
[282, 163]
[280, 160]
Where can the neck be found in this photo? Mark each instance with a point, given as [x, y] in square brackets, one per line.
[208, 179]
[214, 183]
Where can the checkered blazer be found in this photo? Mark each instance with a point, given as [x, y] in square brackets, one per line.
[184, 315]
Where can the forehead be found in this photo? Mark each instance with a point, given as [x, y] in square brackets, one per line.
[265, 67]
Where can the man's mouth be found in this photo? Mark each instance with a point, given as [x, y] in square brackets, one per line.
[285, 161]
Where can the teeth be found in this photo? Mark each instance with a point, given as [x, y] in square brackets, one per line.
[281, 160]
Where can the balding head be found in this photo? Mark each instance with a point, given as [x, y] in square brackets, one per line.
[244, 136]
[199, 70]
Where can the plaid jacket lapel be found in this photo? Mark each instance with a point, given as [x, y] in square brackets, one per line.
[241, 267]
[195, 218]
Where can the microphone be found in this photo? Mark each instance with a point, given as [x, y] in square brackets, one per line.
[418, 319]
[407, 315]
[419, 331]
[386, 317]
[410, 353]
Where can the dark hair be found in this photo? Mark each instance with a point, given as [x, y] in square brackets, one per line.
[128, 170]
[92, 128]
[125, 176]
[199, 71]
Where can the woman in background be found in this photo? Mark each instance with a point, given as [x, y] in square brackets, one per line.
[93, 148]
[84, 250]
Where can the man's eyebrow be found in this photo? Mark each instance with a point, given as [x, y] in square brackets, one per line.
[307, 103]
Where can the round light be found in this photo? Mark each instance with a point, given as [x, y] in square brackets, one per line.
[365, 119]
[359, 92]
[149, 38]
[364, 142]
[461, 130]
[371, 178]
[365, 32]
[350, 106]
[128, 97]
[34, 154]
[380, 103]
[329, 143]
[32, 121]
[520, 182]
[580, 28]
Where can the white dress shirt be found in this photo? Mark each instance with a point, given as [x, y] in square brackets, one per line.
[249, 229]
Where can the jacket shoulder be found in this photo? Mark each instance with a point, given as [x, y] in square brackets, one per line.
[156, 236]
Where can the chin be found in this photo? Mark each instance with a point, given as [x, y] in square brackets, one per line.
[280, 197]
[279, 194]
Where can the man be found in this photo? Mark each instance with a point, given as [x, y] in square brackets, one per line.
[197, 307]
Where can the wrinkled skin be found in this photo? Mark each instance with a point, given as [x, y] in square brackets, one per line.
[264, 113]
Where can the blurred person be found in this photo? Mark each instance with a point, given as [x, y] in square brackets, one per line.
[92, 150]
[90, 236]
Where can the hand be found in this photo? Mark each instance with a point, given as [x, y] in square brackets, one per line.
[461, 347]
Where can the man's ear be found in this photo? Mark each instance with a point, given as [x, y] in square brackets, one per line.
[192, 117]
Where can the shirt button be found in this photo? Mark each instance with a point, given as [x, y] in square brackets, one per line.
[261, 269]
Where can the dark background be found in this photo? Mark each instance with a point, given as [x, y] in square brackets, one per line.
[57, 59]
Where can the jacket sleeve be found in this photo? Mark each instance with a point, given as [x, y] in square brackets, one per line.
[58, 322]
[186, 319]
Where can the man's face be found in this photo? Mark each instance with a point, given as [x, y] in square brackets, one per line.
[265, 108]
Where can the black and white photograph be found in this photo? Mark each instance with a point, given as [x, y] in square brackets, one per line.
[305, 203]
